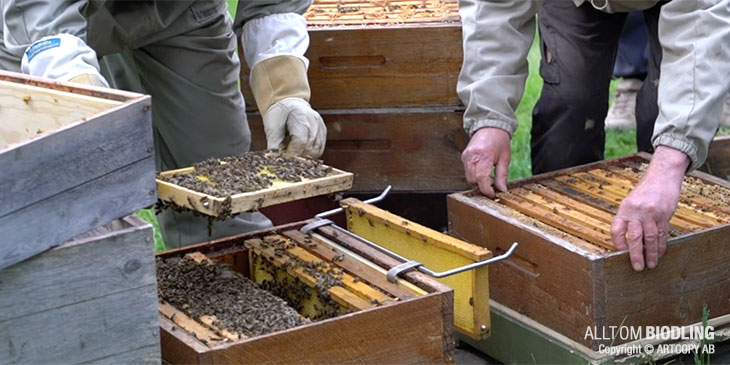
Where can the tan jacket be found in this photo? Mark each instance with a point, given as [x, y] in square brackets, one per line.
[695, 69]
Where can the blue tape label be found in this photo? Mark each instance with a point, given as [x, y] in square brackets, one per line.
[41, 46]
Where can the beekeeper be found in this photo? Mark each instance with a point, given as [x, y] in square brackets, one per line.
[578, 44]
[182, 53]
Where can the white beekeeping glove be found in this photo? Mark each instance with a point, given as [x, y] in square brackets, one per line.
[63, 57]
[274, 46]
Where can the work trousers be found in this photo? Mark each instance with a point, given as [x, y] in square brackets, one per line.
[578, 47]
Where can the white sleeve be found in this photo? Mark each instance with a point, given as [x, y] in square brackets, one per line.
[274, 35]
[60, 57]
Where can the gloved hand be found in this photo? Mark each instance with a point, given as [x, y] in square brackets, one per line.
[281, 89]
[305, 126]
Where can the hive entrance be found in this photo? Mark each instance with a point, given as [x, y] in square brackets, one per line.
[583, 202]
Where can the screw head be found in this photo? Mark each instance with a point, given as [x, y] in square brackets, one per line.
[484, 327]
[206, 204]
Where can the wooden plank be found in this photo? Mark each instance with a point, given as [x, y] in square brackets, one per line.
[570, 202]
[201, 332]
[30, 110]
[79, 89]
[209, 321]
[339, 294]
[63, 216]
[281, 192]
[80, 270]
[406, 332]
[434, 250]
[413, 149]
[347, 261]
[96, 328]
[563, 210]
[396, 65]
[552, 218]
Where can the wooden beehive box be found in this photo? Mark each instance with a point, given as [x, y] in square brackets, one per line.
[72, 158]
[567, 275]
[389, 101]
[410, 321]
[91, 300]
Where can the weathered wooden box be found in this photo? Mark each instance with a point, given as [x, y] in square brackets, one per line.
[416, 327]
[566, 274]
[72, 158]
[92, 299]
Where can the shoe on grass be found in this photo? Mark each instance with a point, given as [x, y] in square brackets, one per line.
[622, 114]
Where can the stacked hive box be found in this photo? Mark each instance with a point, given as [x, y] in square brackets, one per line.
[568, 276]
[73, 159]
[383, 75]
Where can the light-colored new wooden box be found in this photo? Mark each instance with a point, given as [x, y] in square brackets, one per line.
[92, 299]
[72, 158]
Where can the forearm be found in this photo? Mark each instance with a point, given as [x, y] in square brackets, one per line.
[692, 86]
[497, 38]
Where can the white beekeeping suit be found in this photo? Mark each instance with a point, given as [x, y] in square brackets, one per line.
[182, 53]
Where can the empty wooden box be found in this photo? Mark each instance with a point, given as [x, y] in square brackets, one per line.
[409, 321]
[91, 300]
[72, 158]
[567, 275]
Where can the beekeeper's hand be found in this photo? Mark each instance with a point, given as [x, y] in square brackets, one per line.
[642, 222]
[304, 125]
[63, 57]
[488, 149]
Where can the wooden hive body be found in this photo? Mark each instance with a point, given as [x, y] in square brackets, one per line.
[414, 326]
[567, 276]
[72, 158]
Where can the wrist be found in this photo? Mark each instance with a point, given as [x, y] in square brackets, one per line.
[668, 164]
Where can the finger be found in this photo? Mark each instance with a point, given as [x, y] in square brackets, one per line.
[316, 149]
[469, 168]
[651, 248]
[501, 172]
[300, 137]
[618, 233]
[636, 249]
[484, 177]
[663, 236]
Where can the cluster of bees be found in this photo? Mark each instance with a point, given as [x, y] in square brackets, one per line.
[239, 305]
[252, 171]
